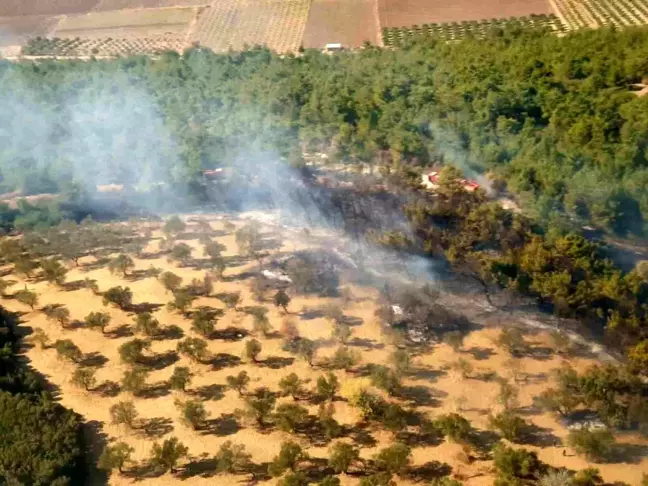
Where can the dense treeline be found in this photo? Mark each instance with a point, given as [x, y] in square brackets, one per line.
[552, 117]
[42, 441]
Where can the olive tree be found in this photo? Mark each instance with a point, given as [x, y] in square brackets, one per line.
[252, 350]
[259, 407]
[132, 351]
[121, 264]
[193, 413]
[115, 456]
[282, 299]
[147, 324]
[84, 377]
[27, 297]
[342, 457]
[134, 380]
[166, 456]
[97, 320]
[60, 314]
[288, 458]
[238, 382]
[194, 348]
[181, 378]
[170, 281]
[327, 386]
[53, 271]
[123, 413]
[122, 297]
[67, 349]
[232, 458]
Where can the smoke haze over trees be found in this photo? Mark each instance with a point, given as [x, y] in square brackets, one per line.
[552, 117]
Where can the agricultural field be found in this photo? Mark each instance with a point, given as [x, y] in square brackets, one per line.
[576, 14]
[349, 22]
[126, 23]
[103, 5]
[458, 30]
[397, 13]
[234, 24]
[10, 8]
[253, 343]
[18, 30]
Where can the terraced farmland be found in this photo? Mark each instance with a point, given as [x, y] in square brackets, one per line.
[599, 13]
[233, 24]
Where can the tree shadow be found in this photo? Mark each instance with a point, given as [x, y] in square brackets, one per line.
[352, 321]
[156, 427]
[361, 436]
[276, 362]
[427, 374]
[209, 392]
[143, 470]
[108, 388]
[143, 307]
[540, 353]
[480, 353]
[136, 275]
[483, 440]
[122, 331]
[170, 332]
[205, 467]
[310, 314]
[155, 390]
[429, 471]
[422, 396]
[538, 436]
[229, 334]
[627, 453]
[222, 426]
[73, 286]
[160, 361]
[223, 360]
[94, 360]
[366, 343]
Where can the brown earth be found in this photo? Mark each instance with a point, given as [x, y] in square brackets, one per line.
[139, 4]
[17, 30]
[403, 13]
[9, 8]
[434, 388]
[349, 22]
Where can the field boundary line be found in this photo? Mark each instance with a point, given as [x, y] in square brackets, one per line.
[559, 14]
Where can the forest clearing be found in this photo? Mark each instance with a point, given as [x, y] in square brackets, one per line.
[239, 353]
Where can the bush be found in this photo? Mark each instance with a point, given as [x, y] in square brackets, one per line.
[238, 382]
[193, 413]
[134, 381]
[123, 413]
[509, 424]
[344, 358]
[131, 352]
[289, 416]
[342, 457]
[259, 407]
[385, 379]
[282, 299]
[453, 426]
[327, 386]
[180, 378]
[194, 348]
[67, 349]
[454, 339]
[85, 378]
[121, 264]
[515, 463]
[393, 459]
[291, 385]
[287, 459]
[174, 225]
[252, 350]
[146, 324]
[166, 456]
[27, 297]
[180, 253]
[512, 340]
[53, 271]
[588, 477]
[170, 281]
[401, 361]
[97, 320]
[595, 444]
[203, 323]
[60, 314]
[122, 297]
[181, 302]
[232, 458]
[115, 456]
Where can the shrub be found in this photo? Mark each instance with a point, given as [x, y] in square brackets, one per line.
[342, 457]
[289, 416]
[122, 297]
[508, 423]
[97, 320]
[203, 323]
[595, 444]
[193, 413]
[84, 377]
[131, 352]
[115, 456]
[287, 459]
[344, 358]
[232, 458]
[291, 385]
[27, 297]
[341, 332]
[252, 350]
[512, 340]
[282, 299]
[134, 380]
[60, 314]
[294, 479]
[194, 348]
[385, 379]
[259, 407]
[401, 361]
[230, 299]
[40, 337]
[562, 402]
[327, 386]
[166, 456]
[238, 382]
[587, 477]
[453, 426]
[454, 339]
[123, 413]
[393, 459]
[463, 367]
[53, 271]
[146, 324]
[327, 422]
[180, 253]
[67, 349]
[180, 378]
[181, 302]
[508, 395]
[121, 264]
[515, 463]
[170, 281]
[174, 225]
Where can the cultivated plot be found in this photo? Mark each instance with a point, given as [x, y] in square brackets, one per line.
[349, 22]
[9, 8]
[234, 24]
[16, 30]
[399, 13]
[104, 5]
[125, 23]
[599, 13]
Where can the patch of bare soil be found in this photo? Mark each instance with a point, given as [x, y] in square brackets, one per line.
[348, 22]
